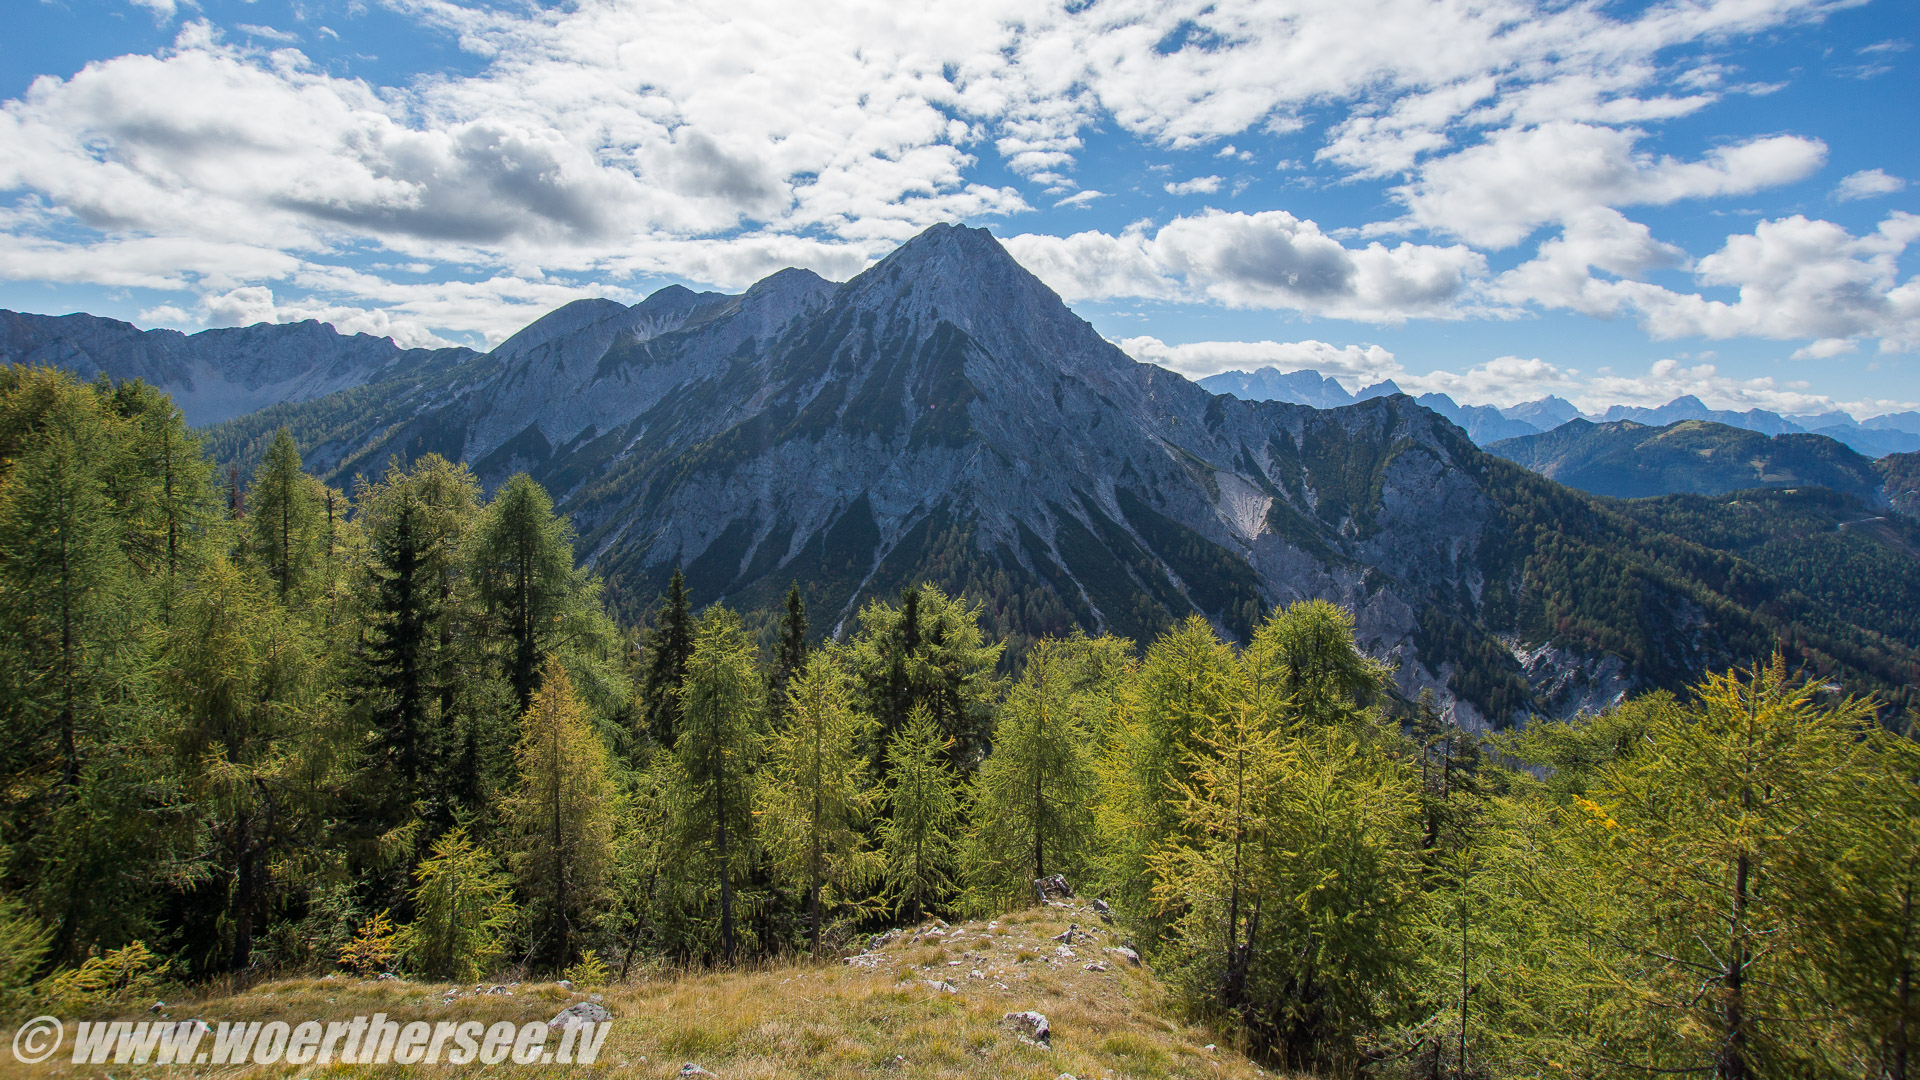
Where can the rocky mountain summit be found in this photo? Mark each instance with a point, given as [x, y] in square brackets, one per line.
[944, 417]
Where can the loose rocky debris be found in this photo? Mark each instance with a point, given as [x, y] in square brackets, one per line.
[1053, 888]
[1073, 935]
[1101, 909]
[942, 986]
[1028, 1027]
[580, 1012]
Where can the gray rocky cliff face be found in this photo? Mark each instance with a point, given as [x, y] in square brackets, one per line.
[944, 416]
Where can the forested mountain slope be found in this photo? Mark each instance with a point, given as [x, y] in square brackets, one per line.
[1630, 460]
[944, 417]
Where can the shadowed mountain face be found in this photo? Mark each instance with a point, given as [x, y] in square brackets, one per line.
[944, 417]
[1630, 461]
[1900, 474]
[215, 375]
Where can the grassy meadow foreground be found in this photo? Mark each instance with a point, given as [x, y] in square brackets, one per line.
[882, 1014]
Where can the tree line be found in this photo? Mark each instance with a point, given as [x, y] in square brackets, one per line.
[262, 727]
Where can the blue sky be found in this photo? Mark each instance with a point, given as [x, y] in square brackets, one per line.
[1617, 203]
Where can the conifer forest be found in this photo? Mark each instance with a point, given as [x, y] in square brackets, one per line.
[253, 725]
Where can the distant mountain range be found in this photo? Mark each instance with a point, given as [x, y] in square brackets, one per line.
[1487, 424]
[944, 417]
[1631, 460]
[214, 375]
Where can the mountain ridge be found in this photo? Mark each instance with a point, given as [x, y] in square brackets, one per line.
[944, 417]
[1630, 460]
[217, 374]
[1486, 424]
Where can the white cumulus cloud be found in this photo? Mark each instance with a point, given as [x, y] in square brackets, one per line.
[1496, 193]
[602, 140]
[1199, 185]
[1265, 260]
[1867, 184]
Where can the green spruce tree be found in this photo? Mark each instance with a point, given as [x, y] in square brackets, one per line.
[287, 522]
[1031, 815]
[409, 669]
[922, 820]
[817, 795]
[669, 646]
[531, 600]
[791, 653]
[717, 753]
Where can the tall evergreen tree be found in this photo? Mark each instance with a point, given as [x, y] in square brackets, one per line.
[163, 487]
[817, 796]
[1188, 681]
[89, 809]
[561, 817]
[245, 677]
[928, 651]
[287, 523]
[722, 729]
[1694, 871]
[792, 651]
[1031, 814]
[669, 646]
[923, 816]
[1458, 862]
[533, 602]
[409, 668]
[1306, 652]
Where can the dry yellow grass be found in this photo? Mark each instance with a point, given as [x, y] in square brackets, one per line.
[878, 1017]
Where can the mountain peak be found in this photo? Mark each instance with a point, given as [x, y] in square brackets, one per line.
[963, 277]
[791, 280]
[951, 253]
[949, 240]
